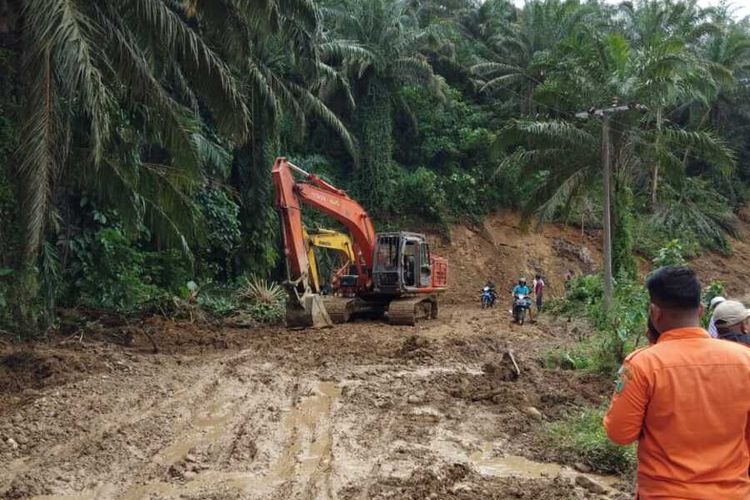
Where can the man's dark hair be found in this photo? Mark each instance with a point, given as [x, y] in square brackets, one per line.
[674, 287]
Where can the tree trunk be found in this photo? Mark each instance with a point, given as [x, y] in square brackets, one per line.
[655, 180]
[4, 21]
[374, 125]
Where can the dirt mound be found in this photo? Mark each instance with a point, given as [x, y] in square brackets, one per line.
[731, 269]
[503, 370]
[415, 347]
[458, 482]
[29, 368]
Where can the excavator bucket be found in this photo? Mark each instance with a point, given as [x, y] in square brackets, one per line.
[309, 312]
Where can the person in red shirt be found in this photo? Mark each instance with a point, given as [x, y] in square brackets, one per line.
[539, 292]
[686, 399]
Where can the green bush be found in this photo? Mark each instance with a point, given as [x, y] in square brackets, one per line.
[223, 231]
[671, 254]
[168, 269]
[575, 359]
[111, 275]
[617, 331]
[420, 193]
[217, 305]
[581, 438]
[264, 301]
[649, 238]
[466, 194]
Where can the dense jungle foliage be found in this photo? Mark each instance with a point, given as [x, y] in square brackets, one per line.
[137, 136]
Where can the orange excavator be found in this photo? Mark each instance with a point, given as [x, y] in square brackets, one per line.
[392, 273]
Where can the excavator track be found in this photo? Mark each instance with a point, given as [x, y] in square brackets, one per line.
[339, 309]
[406, 311]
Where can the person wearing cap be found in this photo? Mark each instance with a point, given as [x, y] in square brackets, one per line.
[732, 320]
[692, 432]
[712, 306]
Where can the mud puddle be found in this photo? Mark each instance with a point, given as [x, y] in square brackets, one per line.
[488, 464]
[306, 455]
[310, 419]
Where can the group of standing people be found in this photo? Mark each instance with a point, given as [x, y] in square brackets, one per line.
[686, 397]
[730, 320]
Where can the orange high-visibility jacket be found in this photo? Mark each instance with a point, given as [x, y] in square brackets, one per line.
[686, 400]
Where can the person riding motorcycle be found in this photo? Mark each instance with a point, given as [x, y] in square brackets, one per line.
[521, 289]
[493, 292]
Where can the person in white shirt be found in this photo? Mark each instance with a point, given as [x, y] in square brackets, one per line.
[711, 324]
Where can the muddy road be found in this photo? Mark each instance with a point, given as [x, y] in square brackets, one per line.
[359, 411]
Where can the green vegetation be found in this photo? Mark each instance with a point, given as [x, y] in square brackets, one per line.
[621, 330]
[136, 136]
[581, 439]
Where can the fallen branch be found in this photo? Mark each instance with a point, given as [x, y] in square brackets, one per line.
[153, 342]
[487, 395]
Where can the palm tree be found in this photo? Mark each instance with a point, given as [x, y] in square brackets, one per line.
[108, 105]
[96, 71]
[285, 78]
[568, 153]
[390, 37]
[520, 54]
[666, 67]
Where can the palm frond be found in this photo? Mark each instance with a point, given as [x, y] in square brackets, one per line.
[313, 105]
[554, 130]
[204, 68]
[37, 158]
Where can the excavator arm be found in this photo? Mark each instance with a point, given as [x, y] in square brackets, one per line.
[334, 202]
[331, 240]
[329, 200]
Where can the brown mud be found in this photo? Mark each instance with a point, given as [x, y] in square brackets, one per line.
[164, 409]
[363, 410]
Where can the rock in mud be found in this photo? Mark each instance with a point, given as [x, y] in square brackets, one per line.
[12, 444]
[589, 484]
[581, 467]
[415, 347]
[503, 370]
[532, 412]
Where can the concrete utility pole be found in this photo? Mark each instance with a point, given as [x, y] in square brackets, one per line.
[606, 114]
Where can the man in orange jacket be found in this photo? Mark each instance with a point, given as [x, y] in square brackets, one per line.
[686, 399]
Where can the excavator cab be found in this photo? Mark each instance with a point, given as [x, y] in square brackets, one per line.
[402, 263]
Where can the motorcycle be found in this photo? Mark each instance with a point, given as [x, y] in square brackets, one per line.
[488, 297]
[521, 306]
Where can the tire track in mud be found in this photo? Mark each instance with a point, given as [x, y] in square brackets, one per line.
[130, 437]
[357, 412]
